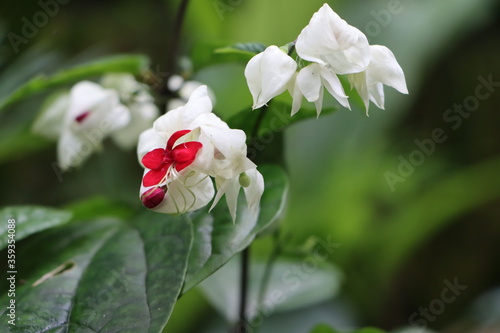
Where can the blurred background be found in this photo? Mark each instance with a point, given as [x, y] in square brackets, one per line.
[412, 212]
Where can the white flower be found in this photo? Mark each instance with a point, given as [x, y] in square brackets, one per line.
[80, 120]
[268, 74]
[309, 83]
[328, 40]
[184, 148]
[140, 103]
[383, 69]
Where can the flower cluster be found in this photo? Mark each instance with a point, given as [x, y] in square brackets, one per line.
[327, 47]
[82, 118]
[184, 148]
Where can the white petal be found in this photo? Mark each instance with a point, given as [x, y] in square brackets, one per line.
[178, 119]
[319, 102]
[85, 96]
[142, 117]
[231, 188]
[384, 68]
[268, 74]
[318, 37]
[358, 81]
[50, 122]
[376, 92]
[106, 114]
[149, 140]
[334, 87]
[354, 54]
[309, 82]
[294, 90]
[186, 193]
[329, 40]
[74, 148]
[124, 83]
[254, 191]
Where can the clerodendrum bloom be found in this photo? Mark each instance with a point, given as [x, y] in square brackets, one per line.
[268, 74]
[327, 47]
[83, 117]
[186, 147]
[383, 69]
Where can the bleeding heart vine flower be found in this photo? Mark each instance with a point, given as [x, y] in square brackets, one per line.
[136, 97]
[268, 74]
[330, 41]
[80, 120]
[327, 47]
[383, 69]
[186, 147]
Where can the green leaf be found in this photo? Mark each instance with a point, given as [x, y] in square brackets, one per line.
[249, 49]
[223, 238]
[275, 119]
[135, 64]
[323, 328]
[293, 285]
[417, 222]
[20, 144]
[98, 207]
[207, 54]
[101, 276]
[29, 220]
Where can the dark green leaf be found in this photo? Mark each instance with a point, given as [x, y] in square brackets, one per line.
[102, 276]
[29, 220]
[135, 64]
[228, 238]
[98, 207]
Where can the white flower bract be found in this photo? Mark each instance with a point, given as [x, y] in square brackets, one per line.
[327, 47]
[382, 70]
[268, 74]
[80, 119]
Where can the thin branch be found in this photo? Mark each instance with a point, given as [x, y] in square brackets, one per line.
[242, 324]
[175, 42]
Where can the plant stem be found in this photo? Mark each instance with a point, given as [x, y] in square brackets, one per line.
[242, 324]
[256, 126]
[175, 42]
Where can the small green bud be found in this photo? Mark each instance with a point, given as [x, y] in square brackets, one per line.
[244, 180]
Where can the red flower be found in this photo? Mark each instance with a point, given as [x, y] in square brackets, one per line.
[161, 160]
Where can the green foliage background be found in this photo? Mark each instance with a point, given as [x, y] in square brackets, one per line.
[396, 247]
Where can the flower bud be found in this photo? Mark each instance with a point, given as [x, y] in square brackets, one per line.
[153, 197]
[244, 180]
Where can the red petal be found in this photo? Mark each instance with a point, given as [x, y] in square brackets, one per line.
[82, 116]
[154, 159]
[175, 137]
[153, 197]
[185, 153]
[154, 177]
